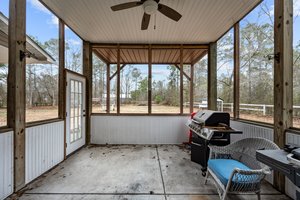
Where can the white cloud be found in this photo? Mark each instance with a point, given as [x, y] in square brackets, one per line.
[38, 5]
[74, 42]
[54, 20]
[161, 72]
[296, 7]
[272, 10]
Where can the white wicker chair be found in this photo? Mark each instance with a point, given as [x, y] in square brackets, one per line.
[241, 181]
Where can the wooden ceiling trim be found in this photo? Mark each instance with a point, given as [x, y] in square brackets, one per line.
[154, 56]
[105, 54]
[193, 54]
[124, 56]
[159, 56]
[176, 57]
[134, 56]
[186, 54]
[165, 54]
[113, 55]
[200, 57]
[170, 55]
[146, 46]
[145, 55]
[139, 55]
[130, 55]
[100, 56]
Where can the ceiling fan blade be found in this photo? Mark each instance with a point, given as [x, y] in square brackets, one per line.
[145, 21]
[126, 5]
[169, 12]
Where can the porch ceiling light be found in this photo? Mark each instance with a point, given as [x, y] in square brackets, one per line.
[150, 7]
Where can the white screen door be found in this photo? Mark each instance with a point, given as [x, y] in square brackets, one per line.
[75, 108]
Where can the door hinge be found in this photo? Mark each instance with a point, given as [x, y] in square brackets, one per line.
[66, 144]
[66, 114]
[66, 83]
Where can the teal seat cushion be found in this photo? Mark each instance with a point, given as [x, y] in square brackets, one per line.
[223, 168]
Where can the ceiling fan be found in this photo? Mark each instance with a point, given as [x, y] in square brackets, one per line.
[150, 7]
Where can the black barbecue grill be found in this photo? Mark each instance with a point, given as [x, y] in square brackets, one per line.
[209, 127]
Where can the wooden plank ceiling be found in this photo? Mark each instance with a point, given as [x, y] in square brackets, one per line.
[202, 22]
[140, 56]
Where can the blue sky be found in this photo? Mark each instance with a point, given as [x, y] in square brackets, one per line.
[41, 23]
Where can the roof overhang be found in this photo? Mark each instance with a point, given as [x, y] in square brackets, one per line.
[37, 54]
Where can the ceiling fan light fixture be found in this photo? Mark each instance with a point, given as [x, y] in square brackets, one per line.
[150, 7]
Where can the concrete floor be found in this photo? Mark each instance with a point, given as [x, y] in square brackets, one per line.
[135, 172]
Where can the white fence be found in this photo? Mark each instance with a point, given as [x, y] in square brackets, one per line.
[264, 109]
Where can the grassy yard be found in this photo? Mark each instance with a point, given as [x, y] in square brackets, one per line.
[50, 112]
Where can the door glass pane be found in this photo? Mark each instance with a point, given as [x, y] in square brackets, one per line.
[75, 110]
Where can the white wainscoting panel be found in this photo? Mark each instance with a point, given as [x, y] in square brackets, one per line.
[6, 164]
[139, 129]
[250, 131]
[290, 188]
[44, 148]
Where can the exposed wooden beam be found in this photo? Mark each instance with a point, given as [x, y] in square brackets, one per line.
[199, 58]
[236, 71]
[150, 79]
[118, 79]
[181, 79]
[101, 57]
[192, 90]
[185, 74]
[153, 63]
[146, 46]
[16, 86]
[114, 74]
[108, 89]
[283, 76]
[88, 73]
[212, 77]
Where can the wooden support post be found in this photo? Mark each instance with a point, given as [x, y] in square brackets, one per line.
[184, 74]
[16, 86]
[61, 79]
[236, 71]
[212, 77]
[118, 80]
[149, 79]
[283, 76]
[87, 72]
[181, 79]
[108, 89]
[192, 90]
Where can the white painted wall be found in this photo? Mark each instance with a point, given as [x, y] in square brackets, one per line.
[6, 164]
[139, 129]
[44, 148]
[250, 131]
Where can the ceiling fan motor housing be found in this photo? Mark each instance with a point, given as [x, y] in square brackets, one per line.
[150, 7]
